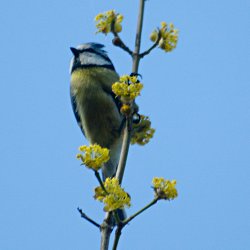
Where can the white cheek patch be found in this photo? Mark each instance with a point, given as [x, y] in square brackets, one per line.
[91, 58]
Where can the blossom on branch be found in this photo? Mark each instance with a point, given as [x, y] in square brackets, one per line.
[127, 88]
[114, 197]
[93, 156]
[168, 36]
[142, 131]
[164, 189]
[109, 21]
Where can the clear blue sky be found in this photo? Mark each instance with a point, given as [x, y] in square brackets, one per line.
[198, 98]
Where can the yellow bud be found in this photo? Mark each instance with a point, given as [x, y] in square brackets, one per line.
[98, 17]
[118, 27]
[110, 13]
[124, 78]
[119, 18]
[133, 79]
[154, 36]
[78, 156]
[82, 148]
[126, 109]
[163, 25]
[162, 43]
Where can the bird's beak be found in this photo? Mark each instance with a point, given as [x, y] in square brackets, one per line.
[74, 51]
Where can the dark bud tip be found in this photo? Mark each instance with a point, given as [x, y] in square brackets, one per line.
[116, 41]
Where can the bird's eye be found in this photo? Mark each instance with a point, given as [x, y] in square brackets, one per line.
[136, 118]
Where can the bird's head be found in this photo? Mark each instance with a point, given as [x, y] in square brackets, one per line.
[89, 55]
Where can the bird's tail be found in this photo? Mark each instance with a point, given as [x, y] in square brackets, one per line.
[110, 167]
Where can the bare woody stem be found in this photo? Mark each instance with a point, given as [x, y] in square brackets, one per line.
[127, 130]
[106, 227]
[128, 126]
[106, 230]
[117, 41]
[83, 215]
[125, 149]
[118, 233]
[136, 57]
[152, 47]
[125, 222]
[97, 175]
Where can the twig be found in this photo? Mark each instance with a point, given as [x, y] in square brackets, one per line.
[97, 175]
[127, 130]
[118, 233]
[125, 222]
[117, 41]
[83, 215]
[124, 151]
[136, 57]
[152, 47]
[105, 228]
[122, 224]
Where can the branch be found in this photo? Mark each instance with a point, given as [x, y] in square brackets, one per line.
[125, 222]
[97, 175]
[125, 149]
[152, 47]
[117, 41]
[122, 224]
[106, 227]
[83, 215]
[136, 58]
[128, 126]
[118, 233]
[106, 230]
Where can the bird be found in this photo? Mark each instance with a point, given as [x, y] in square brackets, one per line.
[96, 108]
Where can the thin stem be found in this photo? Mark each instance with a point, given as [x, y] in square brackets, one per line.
[128, 126]
[124, 151]
[148, 51]
[117, 41]
[140, 211]
[152, 47]
[136, 57]
[122, 224]
[118, 233]
[83, 215]
[106, 230]
[97, 175]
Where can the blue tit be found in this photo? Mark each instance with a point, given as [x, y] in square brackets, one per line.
[96, 109]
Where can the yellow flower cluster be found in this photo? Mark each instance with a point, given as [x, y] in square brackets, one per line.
[164, 189]
[93, 156]
[142, 132]
[168, 37]
[106, 20]
[114, 197]
[128, 88]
